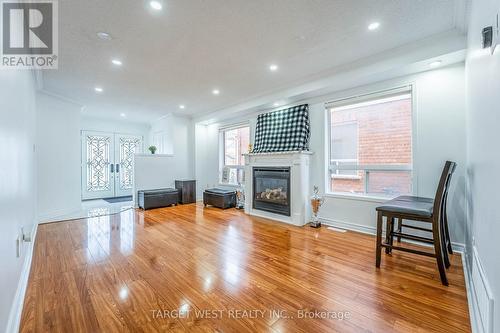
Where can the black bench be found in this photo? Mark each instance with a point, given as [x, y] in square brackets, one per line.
[158, 198]
[219, 198]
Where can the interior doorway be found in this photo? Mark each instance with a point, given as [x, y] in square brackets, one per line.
[107, 164]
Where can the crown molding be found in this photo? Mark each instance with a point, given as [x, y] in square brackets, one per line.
[62, 98]
[405, 60]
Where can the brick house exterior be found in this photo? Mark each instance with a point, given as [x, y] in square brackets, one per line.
[384, 137]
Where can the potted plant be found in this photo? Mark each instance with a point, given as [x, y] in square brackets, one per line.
[152, 149]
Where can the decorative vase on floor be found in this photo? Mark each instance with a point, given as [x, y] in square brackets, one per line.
[316, 202]
[240, 197]
[240, 191]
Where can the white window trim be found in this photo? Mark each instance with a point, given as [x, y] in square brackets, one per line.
[222, 147]
[360, 98]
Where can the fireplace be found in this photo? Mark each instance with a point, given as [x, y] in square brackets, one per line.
[271, 189]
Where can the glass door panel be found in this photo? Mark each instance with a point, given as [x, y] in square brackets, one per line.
[126, 147]
[107, 164]
[97, 164]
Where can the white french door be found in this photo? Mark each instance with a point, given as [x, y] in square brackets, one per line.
[107, 164]
[125, 148]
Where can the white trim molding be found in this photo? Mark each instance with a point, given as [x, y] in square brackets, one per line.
[49, 217]
[372, 230]
[479, 295]
[17, 305]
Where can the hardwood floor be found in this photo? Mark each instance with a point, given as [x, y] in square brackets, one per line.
[162, 269]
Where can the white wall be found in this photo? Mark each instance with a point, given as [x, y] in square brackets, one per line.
[206, 157]
[160, 171]
[17, 182]
[483, 123]
[439, 113]
[440, 122]
[59, 127]
[58, 137]
[163, 127]
[116, 126]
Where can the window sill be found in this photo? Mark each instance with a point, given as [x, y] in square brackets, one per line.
[346, 177]
[228, 184]
[358, 197]
[153, 155]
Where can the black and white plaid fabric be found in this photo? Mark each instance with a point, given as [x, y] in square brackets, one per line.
[283, 130]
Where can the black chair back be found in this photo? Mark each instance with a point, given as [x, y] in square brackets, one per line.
[448, 181]
[443, 186]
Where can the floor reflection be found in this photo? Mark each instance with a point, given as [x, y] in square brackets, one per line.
[93, 208]
[99, 211]
[234, 249]
[99, 237]
[127, 232]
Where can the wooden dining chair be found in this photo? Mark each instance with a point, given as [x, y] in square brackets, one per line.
[417, 209]
[443, 216]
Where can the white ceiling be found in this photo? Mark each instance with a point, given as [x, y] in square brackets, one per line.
[177, 56]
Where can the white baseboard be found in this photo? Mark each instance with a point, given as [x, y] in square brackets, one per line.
[17, 305]
[470, 298]
[457, 247]
[48, 217]
[349, 226]
[479, 296]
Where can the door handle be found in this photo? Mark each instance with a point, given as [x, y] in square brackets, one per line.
[112, 166]
[117, 167]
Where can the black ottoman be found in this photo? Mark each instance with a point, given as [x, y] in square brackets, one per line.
[158, 198]
[219, 198]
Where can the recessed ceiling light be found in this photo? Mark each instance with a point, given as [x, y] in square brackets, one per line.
[435, 64]
[374, 26]
[98, 89]
[117, 62]
[273, 68]
[104, 35]
[216, 91]
[276, 104]
[156, 5]
[182, 106]
[123, 115]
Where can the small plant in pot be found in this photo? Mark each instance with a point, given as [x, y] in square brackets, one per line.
[152, 149]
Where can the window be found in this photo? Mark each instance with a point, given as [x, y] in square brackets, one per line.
[344, 148]
[234, 145]
[370, 144]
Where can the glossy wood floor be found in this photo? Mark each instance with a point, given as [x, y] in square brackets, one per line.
[161, 270]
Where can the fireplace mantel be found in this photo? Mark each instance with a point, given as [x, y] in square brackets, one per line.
[281, 153]
[298, 161]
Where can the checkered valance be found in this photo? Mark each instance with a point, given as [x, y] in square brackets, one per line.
[283, 130]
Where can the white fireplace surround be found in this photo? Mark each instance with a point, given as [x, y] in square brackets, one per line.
[299, 184]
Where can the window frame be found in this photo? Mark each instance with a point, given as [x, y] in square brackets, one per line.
[222, 150]
[365, 96]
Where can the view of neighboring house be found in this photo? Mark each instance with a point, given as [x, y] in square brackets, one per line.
[374, 136]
